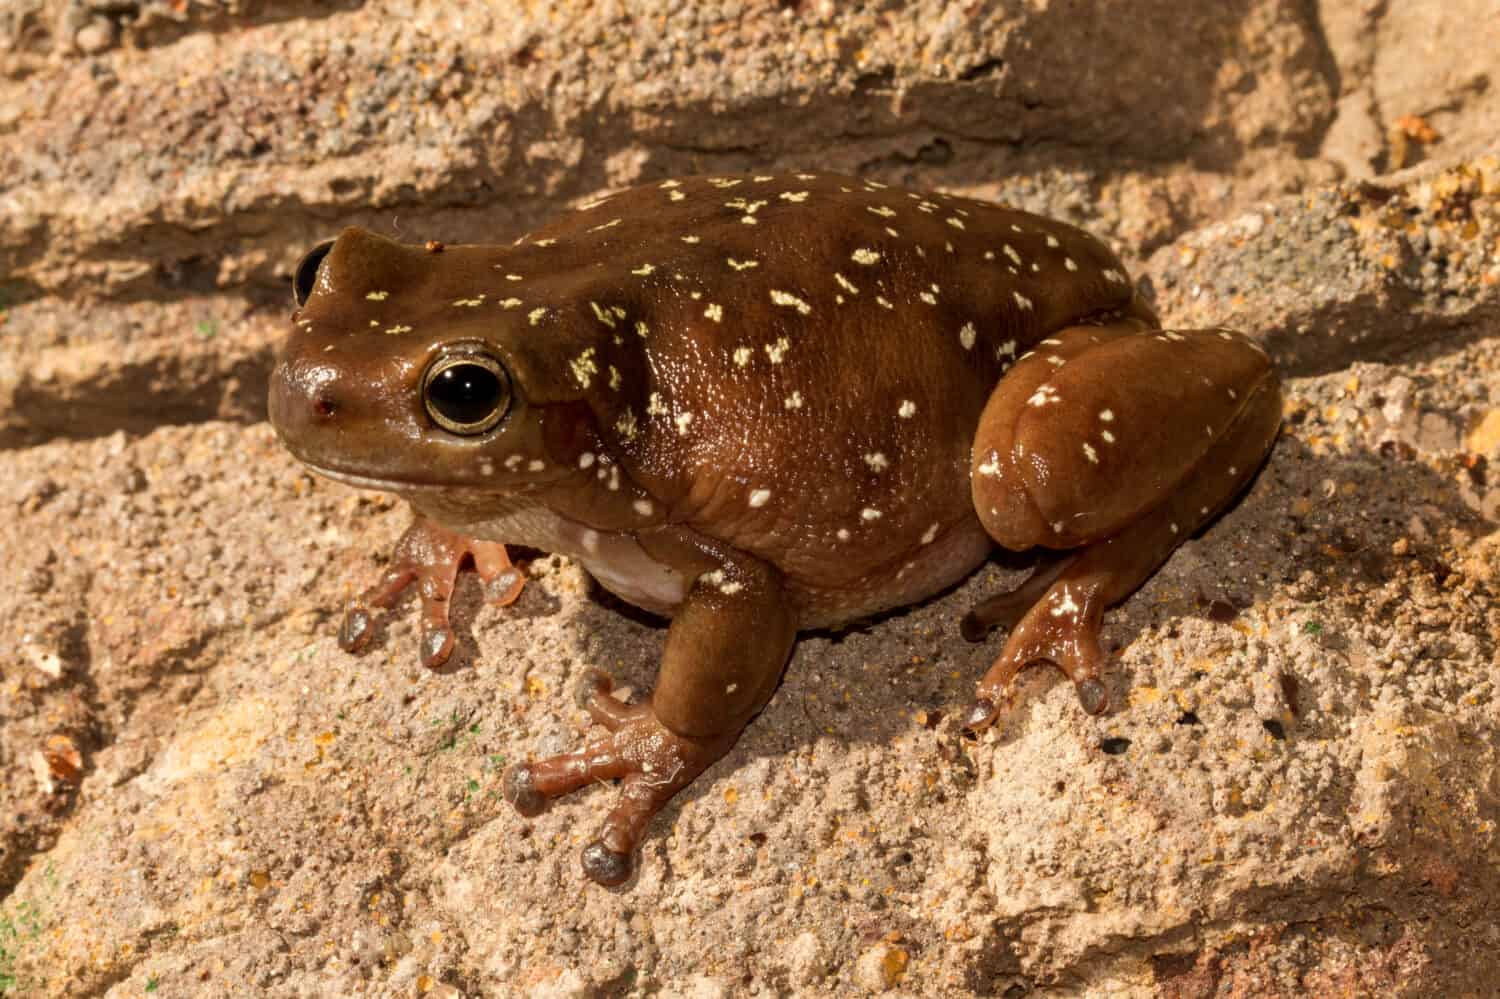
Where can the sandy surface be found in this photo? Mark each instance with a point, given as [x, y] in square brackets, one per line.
[1298, 789]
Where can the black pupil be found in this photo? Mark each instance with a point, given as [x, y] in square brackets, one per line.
[465, 393]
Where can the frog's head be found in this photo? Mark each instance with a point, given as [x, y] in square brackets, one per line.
[405, 369]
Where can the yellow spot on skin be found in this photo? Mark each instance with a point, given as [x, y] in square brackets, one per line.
[1022, 300]
[930, 535]
[723, 183]
[643, 507]
[1052, 241]
[907, 409]
[794, 196]
[927, 297]
[955, 222]
[966, 335]
[614, 378]
[584, 367]
[877, 461]
[668, 184]
[880, 210]
[690, 239]
[866, 256]
[1010, 251]
[643, 270]
[760, 497]
[683, 421]
[883, 302]
[397, 329]
[511, 303]
[625, 425]
[535, 315]
[641, 328]
[469, 302]
[1006, 349]
[535, 465]
[845, 283]
[605, 225]
[870, 513]
[742, 356]
[1090, 453]
[776, 351]
[793, 401]
[742, 265]
[786, 298]
[378, 296]
[603, 315]
[655, 406]
[715, 311]
[676, 196]
[546, 242]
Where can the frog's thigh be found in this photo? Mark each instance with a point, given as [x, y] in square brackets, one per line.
[1175, 424]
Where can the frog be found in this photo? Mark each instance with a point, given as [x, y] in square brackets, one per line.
[757, 405]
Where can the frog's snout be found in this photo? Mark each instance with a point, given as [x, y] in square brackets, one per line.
[303, 396]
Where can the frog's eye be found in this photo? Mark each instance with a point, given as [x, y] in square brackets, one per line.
[307, 272]
[466, 393]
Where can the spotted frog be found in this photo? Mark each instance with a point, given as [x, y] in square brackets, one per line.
[758, 405]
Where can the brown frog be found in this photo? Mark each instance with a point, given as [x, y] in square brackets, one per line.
[761, 404]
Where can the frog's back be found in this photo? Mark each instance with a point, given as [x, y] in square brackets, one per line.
[786, 361]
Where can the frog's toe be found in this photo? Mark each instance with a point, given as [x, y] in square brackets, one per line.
[981, 716]
[1062, 629]
[1004, 610]
[356, 627]
[605, 866]
[519, 787]
[436, 646]
[593, 694]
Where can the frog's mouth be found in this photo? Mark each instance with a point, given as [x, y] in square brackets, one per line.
[504, 482]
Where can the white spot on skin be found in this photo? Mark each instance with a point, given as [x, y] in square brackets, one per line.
[1052, 241]
[1022, 300]
[676, 196]
[742, 265]
[1090, 453]
[590, 540]
[1051, 342]
[605, 225]
[655, 406]
[793, 196]
[1055, 360]
[513, 462]
[690, 239]
[776, 351]
[511, 303]
[930, 535]
[1233, 470]
[393, 330]
[1006, 349]
[793, 401]
[883, 302]
[714, 312]
[643, 507]
[625, 425]
[378, 296]
[877, 461]
[1107, 415]
[866, 256]
[586, 459]
[1108, 437]
[787, 299]
[927, 297]
[584, 368]
[845, 283]
[956, 222]
[842, 534]
[966, 335]
[641, 328]
[870, 513]
[880, 210]
[486, 467]
[535, 465]
[1010, 251]
[1070, 263]
[991, 468]
[760, 498]
[643, 270]
[683, 421]
[907, 409]
[1173, 527]
[742, 356]
[1044, 395]
[1064, 604]
[535, 315]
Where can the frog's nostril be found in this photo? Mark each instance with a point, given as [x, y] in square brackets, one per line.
[324, 406]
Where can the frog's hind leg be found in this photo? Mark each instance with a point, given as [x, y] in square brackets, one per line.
[1116, 444]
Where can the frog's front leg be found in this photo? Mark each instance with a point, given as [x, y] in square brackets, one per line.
[1116, 443]
[431, 556]
[724, 654]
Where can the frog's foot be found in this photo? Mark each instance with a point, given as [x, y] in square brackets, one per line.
[431, 556]
[1116, 443]
[650, 760]
[1003, 610]
[725, 650]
